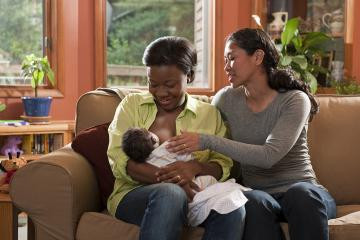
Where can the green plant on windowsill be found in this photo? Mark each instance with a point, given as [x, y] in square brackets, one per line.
[347, 86]
[299, 51]
[36, 68]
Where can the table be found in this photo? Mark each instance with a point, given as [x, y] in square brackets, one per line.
[9, 218]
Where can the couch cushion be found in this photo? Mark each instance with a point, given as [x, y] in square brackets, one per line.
[92, 143]
[345, 227]
[334, 147]
[94, 226]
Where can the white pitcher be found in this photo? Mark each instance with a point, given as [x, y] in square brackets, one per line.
[276, 26]
[334, 22]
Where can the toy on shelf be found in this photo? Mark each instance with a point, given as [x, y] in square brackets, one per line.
[8, 168]
[11, 146]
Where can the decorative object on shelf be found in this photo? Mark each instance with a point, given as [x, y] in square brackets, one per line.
[11, 146]
[15, 123]
[8, 168]
[315, 11]
[334, 21]
[36, 68]
[337, 70]
[277, 25]
[299, 51]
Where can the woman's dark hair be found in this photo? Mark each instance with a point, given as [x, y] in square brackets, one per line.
[279, 79]
[137, 144]
[172, 50]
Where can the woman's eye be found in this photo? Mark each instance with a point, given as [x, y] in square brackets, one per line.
[152, 85]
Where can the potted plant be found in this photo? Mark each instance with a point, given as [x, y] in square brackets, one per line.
[36, 68]
[2, 107]
[299, 50]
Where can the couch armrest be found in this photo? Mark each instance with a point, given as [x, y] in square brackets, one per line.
[55, 191]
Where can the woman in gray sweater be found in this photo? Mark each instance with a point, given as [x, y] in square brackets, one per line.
[267, 111]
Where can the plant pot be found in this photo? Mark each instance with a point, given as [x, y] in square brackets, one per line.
[37, 106]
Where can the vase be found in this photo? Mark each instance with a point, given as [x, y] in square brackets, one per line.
[277, 25]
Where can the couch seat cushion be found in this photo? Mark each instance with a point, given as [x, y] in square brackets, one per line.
[95, 226]
[345, 227]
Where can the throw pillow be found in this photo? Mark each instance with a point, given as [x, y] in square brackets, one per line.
[92, 143]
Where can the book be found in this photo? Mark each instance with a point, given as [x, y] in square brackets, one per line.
[15, 123]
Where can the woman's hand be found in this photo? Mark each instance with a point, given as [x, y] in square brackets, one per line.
[179, 172]
[190, 190]
[187, 142]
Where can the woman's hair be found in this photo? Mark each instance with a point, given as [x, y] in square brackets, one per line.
[172, 50]
[279, 79]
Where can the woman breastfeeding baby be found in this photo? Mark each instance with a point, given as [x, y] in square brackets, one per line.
[160, 208]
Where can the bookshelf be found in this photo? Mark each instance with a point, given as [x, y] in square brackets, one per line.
[37, 140]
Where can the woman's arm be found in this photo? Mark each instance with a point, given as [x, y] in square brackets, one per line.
[282, 138]
[142, 172]
[123, 168]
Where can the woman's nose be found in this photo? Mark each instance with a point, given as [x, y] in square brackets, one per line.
[161, 92]
[227, 66]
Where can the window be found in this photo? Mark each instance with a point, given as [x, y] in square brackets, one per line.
[25, 27]
[132, 24]
[21, 27]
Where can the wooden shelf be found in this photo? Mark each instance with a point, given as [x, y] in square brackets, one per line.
[39, 139]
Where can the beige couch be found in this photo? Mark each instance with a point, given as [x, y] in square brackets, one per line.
[60, 194]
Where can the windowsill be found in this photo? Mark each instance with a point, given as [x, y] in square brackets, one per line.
[16, 92]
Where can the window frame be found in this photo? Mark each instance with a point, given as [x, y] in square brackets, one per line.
[101, 46]
[51, 8]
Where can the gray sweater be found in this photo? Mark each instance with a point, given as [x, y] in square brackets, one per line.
[270, 145]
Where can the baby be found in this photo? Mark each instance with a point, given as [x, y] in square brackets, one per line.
[142, 146]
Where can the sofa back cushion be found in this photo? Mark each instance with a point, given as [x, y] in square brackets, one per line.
[334, 146]
[92, 143]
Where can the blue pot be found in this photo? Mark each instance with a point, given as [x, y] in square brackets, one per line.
[37, 107]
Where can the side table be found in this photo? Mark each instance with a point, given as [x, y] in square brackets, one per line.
[9, 219]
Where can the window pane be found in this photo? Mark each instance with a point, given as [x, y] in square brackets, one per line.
[133, 24]
[21, 33]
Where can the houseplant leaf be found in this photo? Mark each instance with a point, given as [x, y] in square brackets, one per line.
[301, 61]
[311, 80]
[315, 39]
[290, 30]
[285, 60]
[2, 107]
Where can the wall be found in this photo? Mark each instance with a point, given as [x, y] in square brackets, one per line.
[76, 56]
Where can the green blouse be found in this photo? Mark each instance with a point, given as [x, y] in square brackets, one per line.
[139, 110]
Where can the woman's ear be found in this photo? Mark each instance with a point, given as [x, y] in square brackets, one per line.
[190, 77]
[259, 56]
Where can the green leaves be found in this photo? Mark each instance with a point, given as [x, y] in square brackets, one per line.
[298, 51]
[2, 107]
[315, 40]
[36, 68]
[290, 31]
[309, 78]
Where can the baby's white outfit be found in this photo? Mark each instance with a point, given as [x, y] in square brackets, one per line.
[223, 197]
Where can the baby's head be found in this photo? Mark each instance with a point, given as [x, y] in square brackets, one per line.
[138, 143]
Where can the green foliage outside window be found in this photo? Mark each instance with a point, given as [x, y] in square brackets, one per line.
[134, 24]
[20, 28]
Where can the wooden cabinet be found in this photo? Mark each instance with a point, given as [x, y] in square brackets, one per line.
[37, 140]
